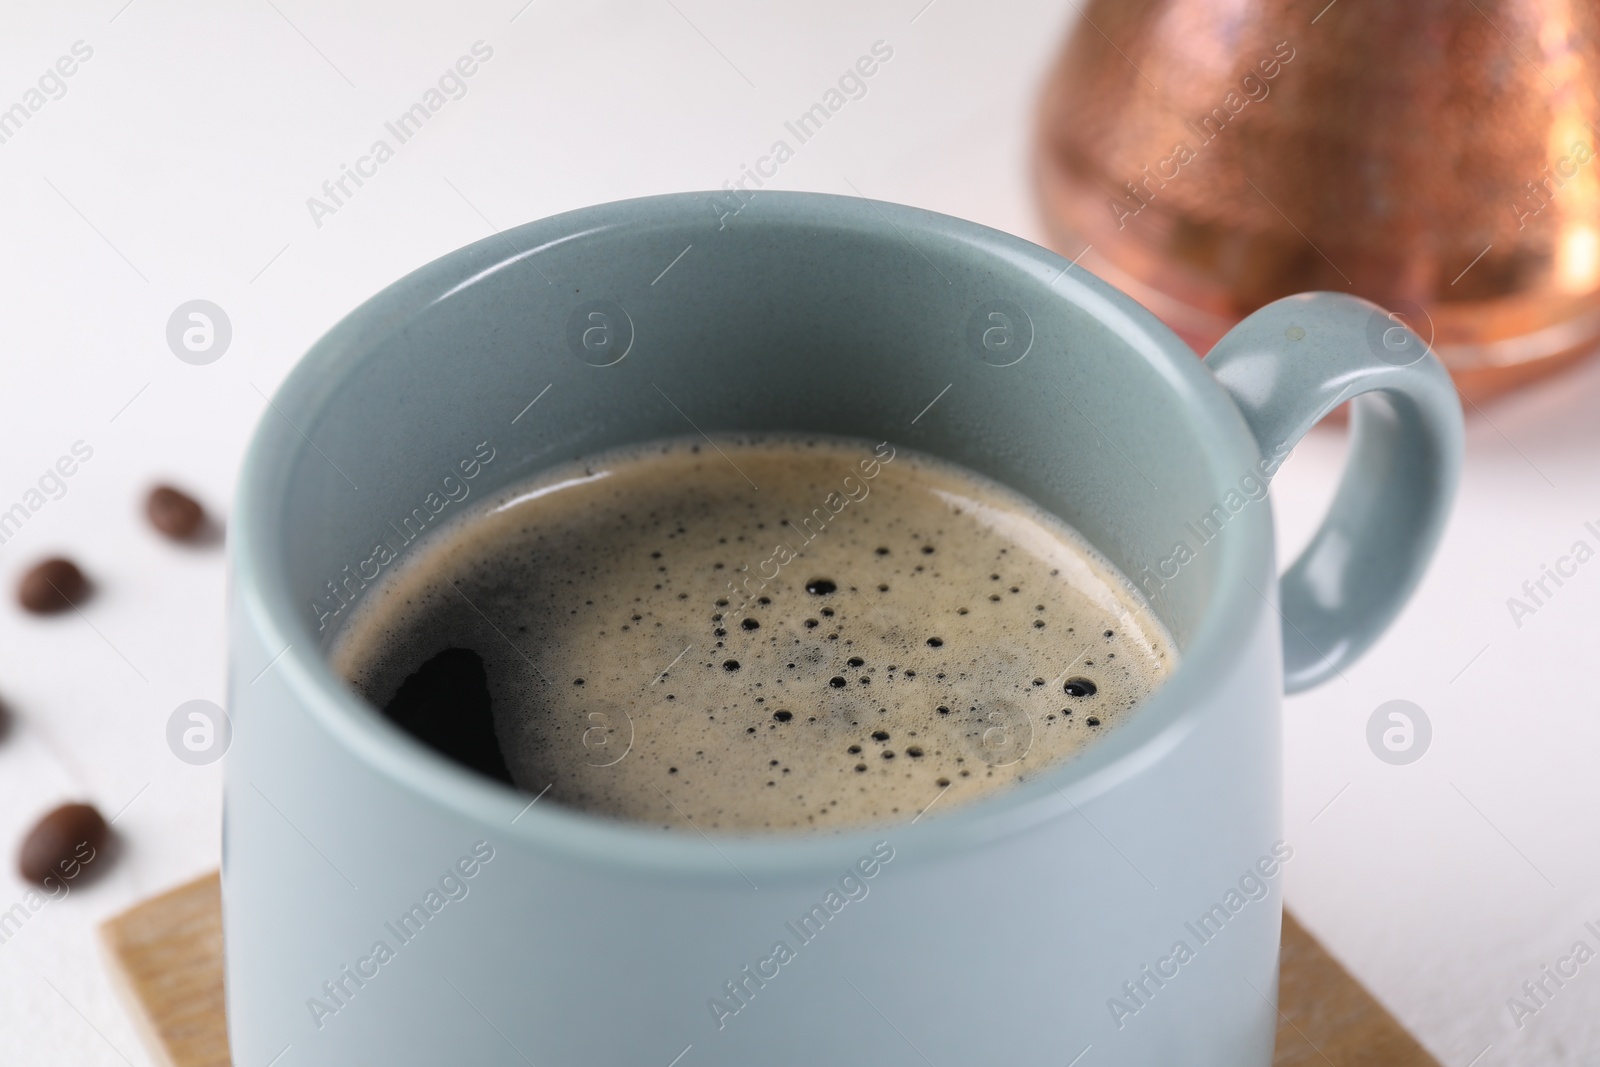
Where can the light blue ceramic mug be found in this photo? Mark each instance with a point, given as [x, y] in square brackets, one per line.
[383, 905]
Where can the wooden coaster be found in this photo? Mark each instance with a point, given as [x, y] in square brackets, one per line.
[1326, 1016]
[166, 962]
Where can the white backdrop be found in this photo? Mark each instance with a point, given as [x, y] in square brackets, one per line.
[175, 163]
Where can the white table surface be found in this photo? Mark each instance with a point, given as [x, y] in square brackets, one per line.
[177, 165]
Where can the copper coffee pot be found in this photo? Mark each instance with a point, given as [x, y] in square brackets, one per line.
[1435, 156]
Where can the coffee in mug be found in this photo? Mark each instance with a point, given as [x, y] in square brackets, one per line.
[753, 634]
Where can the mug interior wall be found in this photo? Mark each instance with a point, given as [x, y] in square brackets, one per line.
[806, 314]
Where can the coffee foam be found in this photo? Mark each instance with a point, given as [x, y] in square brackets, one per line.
[661, 643]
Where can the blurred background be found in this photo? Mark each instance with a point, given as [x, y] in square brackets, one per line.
[179, 160]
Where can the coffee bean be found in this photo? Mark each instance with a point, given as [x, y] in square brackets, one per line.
[61, 842]
[174, 513]
[51, 586]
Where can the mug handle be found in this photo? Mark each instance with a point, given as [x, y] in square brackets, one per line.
[1286, 367]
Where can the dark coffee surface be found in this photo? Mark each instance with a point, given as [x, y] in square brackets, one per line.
[773, 634]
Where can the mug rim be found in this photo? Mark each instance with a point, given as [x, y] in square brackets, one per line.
[261, 592]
